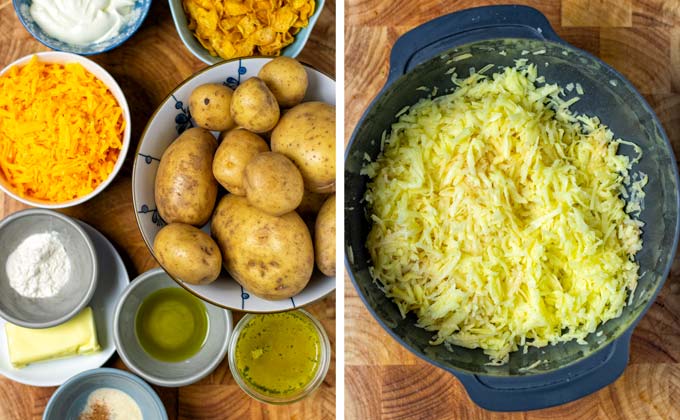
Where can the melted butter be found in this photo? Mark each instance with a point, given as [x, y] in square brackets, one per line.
[278, 354]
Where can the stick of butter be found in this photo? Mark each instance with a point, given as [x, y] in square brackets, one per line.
[76, 336]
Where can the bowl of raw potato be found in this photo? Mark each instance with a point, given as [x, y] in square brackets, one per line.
[234, 184]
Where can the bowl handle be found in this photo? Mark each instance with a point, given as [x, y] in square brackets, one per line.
[449, 31]
[522, 393]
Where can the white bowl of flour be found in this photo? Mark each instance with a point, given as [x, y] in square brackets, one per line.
[48, 268]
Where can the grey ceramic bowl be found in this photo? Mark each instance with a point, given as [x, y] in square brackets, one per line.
[192, 44]
[155, 371]
[70, 399]
[76, 294]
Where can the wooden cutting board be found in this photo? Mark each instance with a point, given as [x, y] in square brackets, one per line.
[147, 67]
[641, 39]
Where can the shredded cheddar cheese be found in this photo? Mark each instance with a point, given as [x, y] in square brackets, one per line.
[61, 130]
[498, 216]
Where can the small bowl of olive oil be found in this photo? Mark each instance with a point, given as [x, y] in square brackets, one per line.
[165, 334]
[279, 358]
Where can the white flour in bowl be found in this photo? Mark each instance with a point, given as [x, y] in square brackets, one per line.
[39, 267]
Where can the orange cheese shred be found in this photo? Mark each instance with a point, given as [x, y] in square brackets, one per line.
[61, 130]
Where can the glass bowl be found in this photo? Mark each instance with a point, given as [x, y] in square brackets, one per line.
[321, 372]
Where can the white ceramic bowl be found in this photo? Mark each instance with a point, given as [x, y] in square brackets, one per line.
[170, 119]
[110, 82]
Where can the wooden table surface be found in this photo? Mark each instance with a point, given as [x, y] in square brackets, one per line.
[641, 39]
[147, 67]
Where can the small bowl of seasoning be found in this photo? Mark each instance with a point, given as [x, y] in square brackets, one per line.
[279, 358]
[105, 393]
[82, 27]
[165, 334]
[48, 268]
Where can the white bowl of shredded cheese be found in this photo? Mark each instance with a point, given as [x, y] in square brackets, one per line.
[48, 268]
[65, 129]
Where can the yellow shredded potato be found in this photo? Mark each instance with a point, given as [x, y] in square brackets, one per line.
[498, 217]
[61, 130]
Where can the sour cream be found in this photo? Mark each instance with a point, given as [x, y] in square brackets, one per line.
[81, 22]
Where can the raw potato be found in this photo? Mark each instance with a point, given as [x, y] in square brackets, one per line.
[306, 135]
[287, 80]
[237, 147]
[254, 107]
[271, 256]
[311, 203]
[273, 183]
[188, 253]
[185, 188]
[210, 106]
[324, 238]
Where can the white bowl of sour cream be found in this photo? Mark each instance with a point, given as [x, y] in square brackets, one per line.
[82, 26]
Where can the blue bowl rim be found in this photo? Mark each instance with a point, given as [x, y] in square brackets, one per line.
[47, 41]
[74, 379]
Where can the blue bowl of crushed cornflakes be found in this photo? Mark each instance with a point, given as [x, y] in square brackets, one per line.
[241, 23]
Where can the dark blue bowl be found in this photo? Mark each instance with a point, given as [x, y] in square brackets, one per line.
[140, 9]
[554, 374]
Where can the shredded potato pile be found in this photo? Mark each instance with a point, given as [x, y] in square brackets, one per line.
[61, 130]
[498, 218]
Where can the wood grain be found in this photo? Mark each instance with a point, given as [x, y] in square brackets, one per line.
[148, 67]
[641, 39]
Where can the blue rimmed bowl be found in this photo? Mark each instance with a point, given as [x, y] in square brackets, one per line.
[138, 13]
[171, 119]
[70, 399]
[192, 44]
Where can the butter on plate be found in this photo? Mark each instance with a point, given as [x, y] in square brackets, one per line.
[74, 337]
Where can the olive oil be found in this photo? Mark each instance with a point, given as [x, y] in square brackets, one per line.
[278, 354]
[171, 324]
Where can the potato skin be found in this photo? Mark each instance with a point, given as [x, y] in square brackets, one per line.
[271, 256]
[324, 238]
[273, 183]
[254, 106]
[210, 106]
[188, 253]
[185, 189]
[237, 147]
[287, 80]
[306, 135]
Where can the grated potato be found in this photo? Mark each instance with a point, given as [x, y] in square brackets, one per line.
[498, 218]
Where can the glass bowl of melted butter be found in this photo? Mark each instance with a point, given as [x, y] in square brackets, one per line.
[279, 358]
[82, 26]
